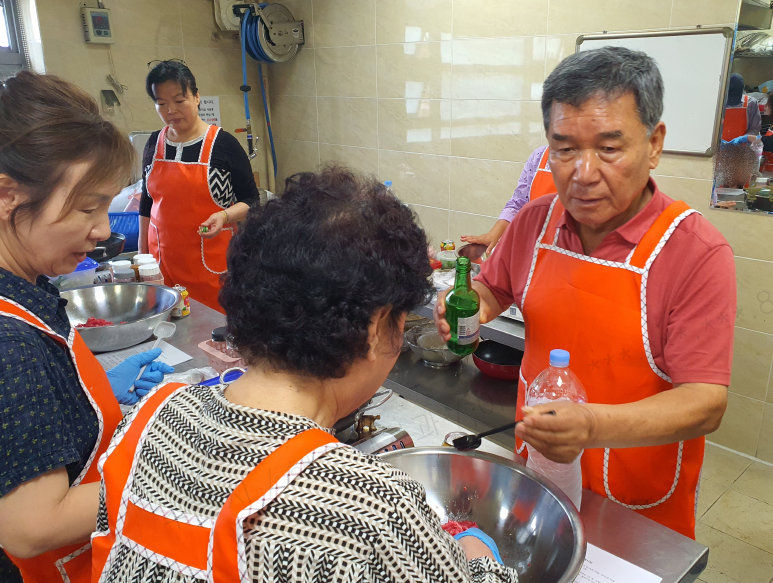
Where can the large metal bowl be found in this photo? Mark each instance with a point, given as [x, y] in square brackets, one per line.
[535, 525]
[140, 305]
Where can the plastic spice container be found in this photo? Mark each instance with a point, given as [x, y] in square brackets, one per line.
[83, 275]
[136, 258]
[218, 341]
[136, 263]
[123, 274]
[120, 263]
[150, 273]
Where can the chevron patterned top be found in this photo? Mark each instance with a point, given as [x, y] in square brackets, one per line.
[350, 517]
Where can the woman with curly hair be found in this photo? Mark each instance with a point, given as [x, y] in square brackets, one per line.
[246, 482]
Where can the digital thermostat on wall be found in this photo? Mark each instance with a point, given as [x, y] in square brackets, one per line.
[97, 26]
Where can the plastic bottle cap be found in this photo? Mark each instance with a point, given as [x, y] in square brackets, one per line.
[219, 334]
[136, 258]
[149, 269]
[123, 272]
[387, 183]
[146, 260]
[559, 358]
[122, 263]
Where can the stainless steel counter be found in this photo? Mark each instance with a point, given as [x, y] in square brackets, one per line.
[462, 395]
[192, 330]
[459, 393]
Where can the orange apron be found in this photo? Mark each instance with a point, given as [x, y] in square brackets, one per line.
[181, 202]
[72, 564]
[735, 122]
[597, 310]
[542, 183]
[179, 541]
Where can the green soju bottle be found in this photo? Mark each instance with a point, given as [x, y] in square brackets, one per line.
[463, 311]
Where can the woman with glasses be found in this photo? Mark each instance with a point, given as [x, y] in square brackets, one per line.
[196, 183]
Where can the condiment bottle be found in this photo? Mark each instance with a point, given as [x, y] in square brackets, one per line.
[123, 274]
[150, 273]
[122, 263]
[139, 259]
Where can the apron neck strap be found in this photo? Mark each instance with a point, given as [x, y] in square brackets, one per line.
[257, 489]
[551, 222]
[543, 163]
[652, 238]
[209, 141]
[161, 144]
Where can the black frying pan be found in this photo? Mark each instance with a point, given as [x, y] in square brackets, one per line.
[109, 248]
[498, 360]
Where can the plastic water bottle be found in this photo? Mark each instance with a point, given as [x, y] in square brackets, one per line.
[557, 383]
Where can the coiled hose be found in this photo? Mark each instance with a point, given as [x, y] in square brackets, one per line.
[251, 46]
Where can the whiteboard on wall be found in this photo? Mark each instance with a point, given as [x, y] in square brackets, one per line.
[694, 67]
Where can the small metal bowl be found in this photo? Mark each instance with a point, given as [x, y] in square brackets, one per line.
[140, 305]
[425, 342]
[475, 252]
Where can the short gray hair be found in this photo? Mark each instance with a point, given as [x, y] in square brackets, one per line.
[611, 72]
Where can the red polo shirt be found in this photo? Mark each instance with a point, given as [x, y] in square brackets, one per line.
[691, 291]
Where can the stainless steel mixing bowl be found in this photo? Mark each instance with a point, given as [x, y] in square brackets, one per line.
[140, 305]
[536, 527]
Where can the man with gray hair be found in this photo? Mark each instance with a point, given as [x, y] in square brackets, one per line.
[638, 287]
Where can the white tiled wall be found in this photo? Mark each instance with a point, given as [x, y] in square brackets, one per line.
[442, 97]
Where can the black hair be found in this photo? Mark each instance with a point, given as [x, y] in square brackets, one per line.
[171, 71]
[734, 89]
[611, 72]
[307, 272]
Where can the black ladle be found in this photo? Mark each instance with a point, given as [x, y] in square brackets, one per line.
[470, 442]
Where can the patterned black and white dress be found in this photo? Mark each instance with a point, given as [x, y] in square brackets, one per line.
[350, 517]
[230, 175]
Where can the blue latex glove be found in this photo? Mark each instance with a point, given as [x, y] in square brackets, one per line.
[123, 376]
[484, 538]
[741, 140]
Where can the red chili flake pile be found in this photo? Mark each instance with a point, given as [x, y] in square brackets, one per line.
[94, 323]
[453, 527]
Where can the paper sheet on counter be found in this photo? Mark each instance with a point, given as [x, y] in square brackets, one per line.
[169, 354]
[603, 567]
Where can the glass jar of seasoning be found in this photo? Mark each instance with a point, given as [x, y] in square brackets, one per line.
[138, 260]
[138, 256]
[151, 273]
[123, 274]
[218, 341]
